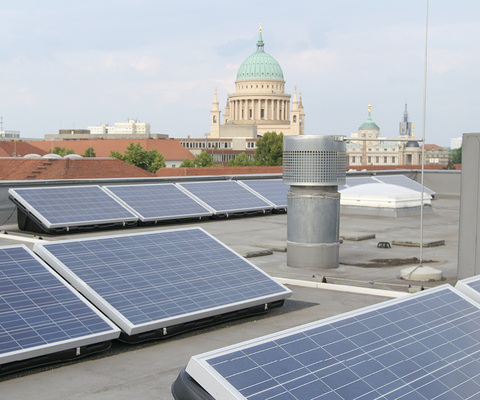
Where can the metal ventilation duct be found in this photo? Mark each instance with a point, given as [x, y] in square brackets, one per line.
[314, 167]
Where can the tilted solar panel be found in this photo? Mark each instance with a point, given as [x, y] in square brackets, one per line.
[158, 202]
[70, 206]
[155, 280]
[272, 190]
[225, 197]
[421, 346]
[40, 313]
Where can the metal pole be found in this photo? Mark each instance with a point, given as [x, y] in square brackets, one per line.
[423, 136]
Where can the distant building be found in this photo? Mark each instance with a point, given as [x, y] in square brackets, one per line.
[9, 134]
[377, 152]
[74, 132]
[259, 103]
[171, 149]
[131, 127]
[101, 129]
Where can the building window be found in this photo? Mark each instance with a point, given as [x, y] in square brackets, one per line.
[294, 119]
[385, 160]
[393, 160]
[377, 159]
[214, 119]
[369, 159]
[262, 113]
[353, 159]
[251, 113]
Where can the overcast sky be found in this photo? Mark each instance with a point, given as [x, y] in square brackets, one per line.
[71, 64]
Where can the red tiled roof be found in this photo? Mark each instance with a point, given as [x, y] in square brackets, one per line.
[219, 171]
[11, 148]
[171, 149]
[67, 168]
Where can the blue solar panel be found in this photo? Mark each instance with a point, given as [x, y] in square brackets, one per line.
[422, 346]
[225, 196]
[71, 205]
[273, 190]
[40, 313]
[158, 202]
[149, 281]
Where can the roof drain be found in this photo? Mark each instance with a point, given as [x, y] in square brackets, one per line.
[314, 166]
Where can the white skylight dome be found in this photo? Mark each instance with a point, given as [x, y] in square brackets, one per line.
[382, 195]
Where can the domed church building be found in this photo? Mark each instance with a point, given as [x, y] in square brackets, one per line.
[259, 103]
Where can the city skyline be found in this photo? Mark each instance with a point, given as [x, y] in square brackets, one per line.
[71, 65]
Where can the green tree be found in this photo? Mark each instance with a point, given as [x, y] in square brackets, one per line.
[89, 152]
[136, 155]
[62, 151]
[240, 160]
[204, 160]
[201, 160]
[457, 156]
[269, 149]
[187, 163]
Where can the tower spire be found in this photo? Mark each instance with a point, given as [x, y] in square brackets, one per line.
[260, 43]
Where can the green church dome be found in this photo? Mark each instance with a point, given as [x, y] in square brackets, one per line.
[369, 124]
[260, 66]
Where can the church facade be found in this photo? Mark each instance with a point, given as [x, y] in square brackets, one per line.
[259, 103]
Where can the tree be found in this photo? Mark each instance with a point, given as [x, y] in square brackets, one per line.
[187, 163]
[204, 160]
[135, 154]
[89, 152]
[457, 156]
[201, 160]
[240, 160]
[62, 151]
[269, 149]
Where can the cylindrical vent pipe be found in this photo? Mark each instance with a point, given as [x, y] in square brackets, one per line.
[314, 167]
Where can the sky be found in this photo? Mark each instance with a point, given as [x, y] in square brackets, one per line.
[72, 64]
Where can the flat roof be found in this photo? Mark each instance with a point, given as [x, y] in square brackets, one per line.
[147, 370]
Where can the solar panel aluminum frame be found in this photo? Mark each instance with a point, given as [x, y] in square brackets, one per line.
[218, 387]
[20, 201]
[275, 206]
[269, 206]
[133, 329]
[207, 213]
[464, 287]
[62, 345]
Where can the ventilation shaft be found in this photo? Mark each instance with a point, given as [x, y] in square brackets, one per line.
[314, 166]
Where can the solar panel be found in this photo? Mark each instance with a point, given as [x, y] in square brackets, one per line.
[422, 346]
[70, 206]
[40, 313]
[224, 197]
[271, 190]
[154, 280]
[470, 287]
[158, 202]
[402, 180]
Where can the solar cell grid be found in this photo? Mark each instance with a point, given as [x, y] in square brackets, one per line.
[391, 351]
[39, 313]
[71, 205]
[225, 196]
[150, 280]
[158, 202]
[273, 190]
